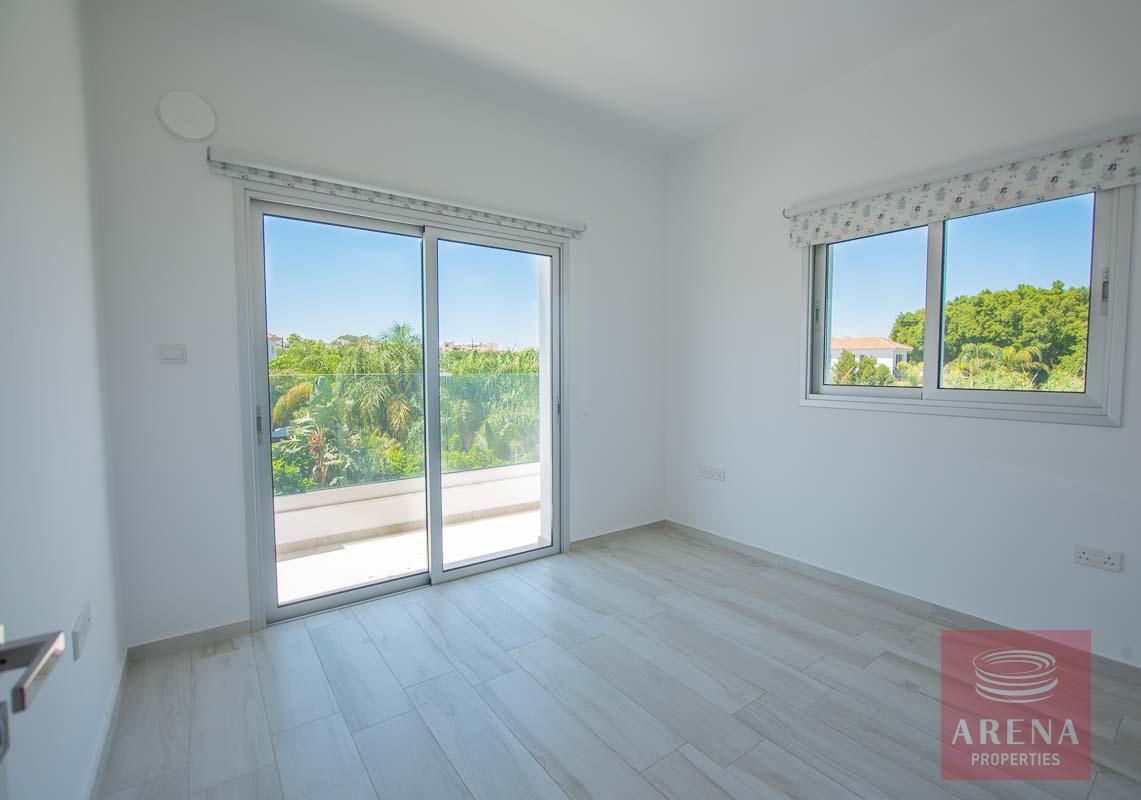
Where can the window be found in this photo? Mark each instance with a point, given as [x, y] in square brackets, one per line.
[1014, 313]
[1016, 297]
[872, 285]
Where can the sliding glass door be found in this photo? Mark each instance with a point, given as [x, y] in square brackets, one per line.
[345, 406]
[406, 404]
[495, 400]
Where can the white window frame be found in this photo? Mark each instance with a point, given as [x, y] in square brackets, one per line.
[1101, 402]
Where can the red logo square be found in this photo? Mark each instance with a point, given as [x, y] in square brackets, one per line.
[1015, 705]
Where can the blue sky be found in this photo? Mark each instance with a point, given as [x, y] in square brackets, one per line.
[323, 281]
[876, 278]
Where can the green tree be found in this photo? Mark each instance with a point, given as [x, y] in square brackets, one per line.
[305, 357]
[1049, 322]
[380, 380]
[290, 401]
[351, 410]
[908, 329]
[984, 366]
[865, 371]
[289, 477]
[1025, 338]
[910, 373]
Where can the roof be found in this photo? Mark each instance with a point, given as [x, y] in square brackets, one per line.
[866, 343]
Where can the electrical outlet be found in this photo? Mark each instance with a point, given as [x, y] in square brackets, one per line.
[1094, 557]
[711, 473]
[80, 631]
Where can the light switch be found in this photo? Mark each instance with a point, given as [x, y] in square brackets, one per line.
[172, 353]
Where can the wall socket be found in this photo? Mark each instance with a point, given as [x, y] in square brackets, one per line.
[1093, 557]
[80, 631]
[711, 473]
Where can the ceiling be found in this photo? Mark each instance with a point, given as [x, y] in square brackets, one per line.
[674, 70]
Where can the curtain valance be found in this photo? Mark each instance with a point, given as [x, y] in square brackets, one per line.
[1104, 165]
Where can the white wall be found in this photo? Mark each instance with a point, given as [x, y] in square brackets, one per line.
[167, 243]
[991, 531]
[1008, 83]
[55, 539]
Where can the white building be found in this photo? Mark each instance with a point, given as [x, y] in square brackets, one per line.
[275, 344]
[478, 347]
[883, 350]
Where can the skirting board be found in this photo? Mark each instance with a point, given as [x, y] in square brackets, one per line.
[186, 641]
[645, 526]
[108, 733]
[913, 605]
[177, 644]
[197, 638]
[939, 614]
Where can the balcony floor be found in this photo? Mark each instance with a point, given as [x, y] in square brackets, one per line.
[328, 568]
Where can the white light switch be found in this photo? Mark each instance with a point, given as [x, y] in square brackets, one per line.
[172, 353]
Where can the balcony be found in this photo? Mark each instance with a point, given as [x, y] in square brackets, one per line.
[334, 539]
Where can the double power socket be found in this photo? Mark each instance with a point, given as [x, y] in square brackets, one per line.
[711, 473]
[1094, 557]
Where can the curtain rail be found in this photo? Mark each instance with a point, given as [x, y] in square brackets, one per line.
[246, 169]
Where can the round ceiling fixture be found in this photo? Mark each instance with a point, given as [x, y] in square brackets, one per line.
[187, 116]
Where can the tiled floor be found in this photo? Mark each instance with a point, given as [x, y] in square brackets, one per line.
[644, 665]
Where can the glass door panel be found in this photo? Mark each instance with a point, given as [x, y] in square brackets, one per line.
[344, 356]
[495, 393]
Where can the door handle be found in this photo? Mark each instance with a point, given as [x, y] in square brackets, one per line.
[36, 655]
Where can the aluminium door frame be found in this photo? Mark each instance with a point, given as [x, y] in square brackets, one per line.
[432, 236]
[250, 203]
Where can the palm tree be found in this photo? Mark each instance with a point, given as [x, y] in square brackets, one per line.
[1028, 361]
[980, 365]
[380, 382]
[295, 398]
[360, 417]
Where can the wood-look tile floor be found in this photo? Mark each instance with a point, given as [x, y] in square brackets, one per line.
[645, 665]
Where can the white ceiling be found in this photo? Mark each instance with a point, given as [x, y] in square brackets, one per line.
[675, 70]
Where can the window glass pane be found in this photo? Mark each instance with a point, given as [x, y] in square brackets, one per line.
[876, 294]
[1016, 297]
[495, 402]
[346, 398]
